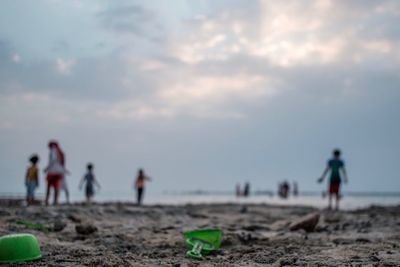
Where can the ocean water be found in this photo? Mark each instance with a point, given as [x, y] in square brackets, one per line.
[348, 201]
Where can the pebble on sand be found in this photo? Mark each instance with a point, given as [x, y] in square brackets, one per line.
[85, 229]
[307, 223]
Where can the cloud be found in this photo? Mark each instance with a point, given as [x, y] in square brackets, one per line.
[289, 33]
[64, 66]
[16, 58]
[222, 64]
[130, 20]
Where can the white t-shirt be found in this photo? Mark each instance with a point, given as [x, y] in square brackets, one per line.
[54, 166]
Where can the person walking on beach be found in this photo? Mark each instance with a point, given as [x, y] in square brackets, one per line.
[32, 179]
[64, 187]
[246, 190]
[139, 185]
[90, 181]
[335, 165]
[55, 171]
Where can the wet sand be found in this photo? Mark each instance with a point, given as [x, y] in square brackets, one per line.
[122, 234]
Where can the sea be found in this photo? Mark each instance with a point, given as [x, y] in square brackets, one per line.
[349, 200]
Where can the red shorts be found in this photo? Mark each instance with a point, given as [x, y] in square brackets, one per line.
[334, 188]
[54, 180]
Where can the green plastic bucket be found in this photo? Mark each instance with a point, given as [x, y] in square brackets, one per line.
[19, 248]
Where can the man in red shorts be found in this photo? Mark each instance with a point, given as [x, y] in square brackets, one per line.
[334, 165]
[55, 171]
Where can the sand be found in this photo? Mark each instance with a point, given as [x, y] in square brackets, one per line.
[122, 234]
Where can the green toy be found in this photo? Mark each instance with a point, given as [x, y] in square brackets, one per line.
[35, 226]
[202, 242]
[19, 248]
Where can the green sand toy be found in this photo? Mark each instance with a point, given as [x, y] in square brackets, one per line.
[202, 242]
[19, 248]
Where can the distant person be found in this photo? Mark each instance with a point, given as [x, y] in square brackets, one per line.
[335, 165]
[140, 184]
[295, 189]
[55, 171]
[32, 179]
[283, 190]
[64, 187]
[246, 190]
[238, 190]
[90, 181]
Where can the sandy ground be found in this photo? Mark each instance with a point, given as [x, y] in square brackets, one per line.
[254, 235]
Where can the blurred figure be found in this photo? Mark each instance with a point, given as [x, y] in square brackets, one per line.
[335, 165]
[295, 189]
[238, 191]
[64, 187]
[90, 181]
[283, 190]
[55, 171]
[139, 185]
[246, 190]
[32, 179]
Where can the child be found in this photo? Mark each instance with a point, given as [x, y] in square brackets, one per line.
[32, 180]
[90, 182]
[334, 165]
[55, 170]
[139, 185]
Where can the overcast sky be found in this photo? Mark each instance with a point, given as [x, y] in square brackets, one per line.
[202, 94]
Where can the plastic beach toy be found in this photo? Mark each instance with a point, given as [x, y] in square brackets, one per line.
[202, 242]
[19, 248]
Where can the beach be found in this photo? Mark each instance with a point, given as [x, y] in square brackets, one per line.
[123, 234]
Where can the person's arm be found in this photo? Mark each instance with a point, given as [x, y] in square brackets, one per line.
[320, 180]
[37, 177]
[345, 178]
[81, 183]
[96, 182]
[148, 178]
[26, 176]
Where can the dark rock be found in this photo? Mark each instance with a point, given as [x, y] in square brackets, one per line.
[4, 213]
[254, 227]
[342, 241]
[85, 229]
[374, 258]
[74, 218]
[363, 240]
[245, 237]
[243, 209]
[307, 223]
[59, 225]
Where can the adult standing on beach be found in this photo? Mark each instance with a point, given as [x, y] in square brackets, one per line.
[55, 170]
[140, 184]
[335, 165]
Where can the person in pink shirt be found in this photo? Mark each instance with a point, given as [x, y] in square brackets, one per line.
[55, 171]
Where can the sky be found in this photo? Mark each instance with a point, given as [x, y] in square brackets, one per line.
[202, 94]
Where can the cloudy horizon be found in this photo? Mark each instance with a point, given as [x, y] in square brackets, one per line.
[202, 94]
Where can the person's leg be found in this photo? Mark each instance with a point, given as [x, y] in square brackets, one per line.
[65, 188]
[139, 195]
[337, 202]
[27, 194]
[330, 201]
[56, 193]
[67, 194]
[31, 188]
[47, 194]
